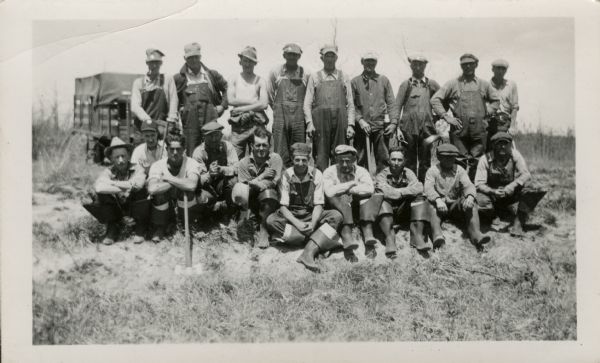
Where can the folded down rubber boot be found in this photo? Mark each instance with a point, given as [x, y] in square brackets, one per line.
[369, 210]
[292, 236]
[326, 237]
[344, 207]
[347, 238]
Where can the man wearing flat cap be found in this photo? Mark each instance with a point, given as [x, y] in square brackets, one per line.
[169, 180]
[416, 122]
[301, 219]
[154, 96]
[451, 194]
[258, 176]
[286, 87]
[202, 95]
[349, 187]
[373, 99]
[509, 96]
[471, 101]
[218, 160]
[247, 93]
[119, 191]
[503, 184]
[328, 108]
[403, 201]
[151, 150]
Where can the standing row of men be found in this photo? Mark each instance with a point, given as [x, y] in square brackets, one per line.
[329, 108]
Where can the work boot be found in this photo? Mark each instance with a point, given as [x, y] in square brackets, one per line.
[367, 230]
[262, 237]
[390, 246]
[307, 258]
[112, 233]
[370, 251]
[350, 256]
[159, 234]
[516, 230]
[347, 239]
[140, 232]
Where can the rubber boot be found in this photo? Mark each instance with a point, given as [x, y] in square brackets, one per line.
[262, 237]
[516, 230]
[347, 239]
[478, 239]
[140, 232]
[385, 223]
[159, 233]
[307, 258]
[112, 233]
[367, 230]
[436, 230]
[416, 236]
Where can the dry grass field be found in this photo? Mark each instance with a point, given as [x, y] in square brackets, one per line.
[85, 292]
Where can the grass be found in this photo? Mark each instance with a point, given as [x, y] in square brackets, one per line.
[517, 290]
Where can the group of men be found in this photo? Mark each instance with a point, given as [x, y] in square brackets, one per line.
[285, 179]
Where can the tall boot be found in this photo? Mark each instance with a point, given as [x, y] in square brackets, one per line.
[516, 230]
[140, 232]
[307, 258]
[349, 243]
[263, 236]
[385, 223]
[478, 239]
[436, 229]
[416, 236]
[112, 233]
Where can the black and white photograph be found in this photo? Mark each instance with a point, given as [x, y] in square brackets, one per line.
[301, 179]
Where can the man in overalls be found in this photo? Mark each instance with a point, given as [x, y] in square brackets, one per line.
[202, 95]
[373, 99]
[154, 96]
[503, 184]
[218, 160]
[119, 191]
[416, 123]
[168, 180]
[301, 220]
[472, 100]
[286, 88]
[328, 108]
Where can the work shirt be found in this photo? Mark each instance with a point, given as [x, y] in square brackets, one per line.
[333, 177]
[317, 179]
[509, 97]
[145, 158]
[201, 156]
[189, 168]
[449, 185]
[407, 185]
[248, 170]
[373, 98]
[196, 78]
[449, 95]
[147, 84]
[135, 175]
[281, 72]
[521, 172]
[313, 82]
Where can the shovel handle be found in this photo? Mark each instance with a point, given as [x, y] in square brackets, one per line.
[188, 237]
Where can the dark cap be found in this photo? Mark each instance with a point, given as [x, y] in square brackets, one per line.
[501, 136]
[447, 149]
[149, 125]
[301, 148]
[211, 127]
[468, 58]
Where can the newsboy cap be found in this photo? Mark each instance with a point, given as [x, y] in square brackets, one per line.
[501, 136]
[191, 49]
[153, 55]
[417, 58]
[292, 48]
[500, 63]
[344, 149]
[301, 148]
[369, 55]
[447, 149]
[210, 127]
[329, 48]
[149, 125]
[468, 58]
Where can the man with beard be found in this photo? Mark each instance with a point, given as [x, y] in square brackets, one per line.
[168, 180]
[286, 88]
[348, 187]
[258, 176]
[301, 215]
[416, 124]
[403, 201]
[202, 94]
[151, 150]
[247, 93]
[472, 100]
[373, 98]
[328, 108]
[218, 160]
[502, 184]
[118, 191]
[451, 194]
[154, 96]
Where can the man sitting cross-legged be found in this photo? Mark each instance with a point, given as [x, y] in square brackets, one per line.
[301, 214]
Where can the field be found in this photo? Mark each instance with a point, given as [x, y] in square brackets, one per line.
[88, 293]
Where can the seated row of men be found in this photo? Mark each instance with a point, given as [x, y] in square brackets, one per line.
[300, 205]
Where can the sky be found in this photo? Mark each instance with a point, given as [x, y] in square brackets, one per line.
[540, 52]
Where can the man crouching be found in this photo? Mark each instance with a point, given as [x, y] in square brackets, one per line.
[403, 200]
[451, 194]
[118, 191]
[301, 211]
[168, 180]
[348, 187]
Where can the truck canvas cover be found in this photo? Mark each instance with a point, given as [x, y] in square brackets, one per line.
[105, 88]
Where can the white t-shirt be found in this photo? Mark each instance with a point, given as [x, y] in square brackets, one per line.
[145, 158]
